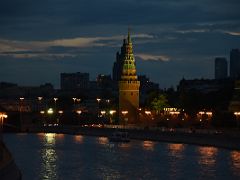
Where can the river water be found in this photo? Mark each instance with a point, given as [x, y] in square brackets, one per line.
[57, 156]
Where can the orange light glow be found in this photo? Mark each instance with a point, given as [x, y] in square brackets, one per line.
[148, 145]
[78, 139]
[176, 148]
[235, 156]
[102, 140]
[207, 155]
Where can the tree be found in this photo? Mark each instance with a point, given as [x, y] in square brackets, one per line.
[159, 103]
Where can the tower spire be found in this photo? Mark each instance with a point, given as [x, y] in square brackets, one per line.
[129, 38]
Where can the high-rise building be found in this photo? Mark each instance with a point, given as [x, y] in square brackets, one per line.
[221, 68]
[125, 74]
[116, 72]
[235, 63]
[74, 81]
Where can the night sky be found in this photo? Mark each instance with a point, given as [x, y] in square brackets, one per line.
[172, 39]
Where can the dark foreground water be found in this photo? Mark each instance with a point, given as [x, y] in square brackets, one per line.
[58, 156]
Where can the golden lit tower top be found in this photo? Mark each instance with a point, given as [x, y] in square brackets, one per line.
[129, 65]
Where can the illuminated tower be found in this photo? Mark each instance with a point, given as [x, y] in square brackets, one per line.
[128, 84]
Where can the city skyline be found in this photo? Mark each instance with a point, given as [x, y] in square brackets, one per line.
[40, 40]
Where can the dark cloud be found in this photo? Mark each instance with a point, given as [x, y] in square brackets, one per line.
[185, 34]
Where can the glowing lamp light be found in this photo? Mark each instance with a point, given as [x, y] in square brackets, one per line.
[42, 112]
[124, 112]
[209, 113]
[103, 112]
[174, 112]
[40, 98]
[60, 112]
[148, 112]
[98, 100]
[237, 113]
[112, 112]
[3, 115]
[79, 112]
[50, 111]
[201, 112]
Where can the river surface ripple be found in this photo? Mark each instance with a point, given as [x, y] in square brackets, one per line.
[57, 156]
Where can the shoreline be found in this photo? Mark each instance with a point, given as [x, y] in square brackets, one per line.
[230, 141]
[8, 167]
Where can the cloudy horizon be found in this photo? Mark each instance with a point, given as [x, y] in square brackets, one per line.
[171, 39]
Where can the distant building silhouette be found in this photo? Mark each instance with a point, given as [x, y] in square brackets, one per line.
[104, 81]
[234, 105]
[235, 63]
[74, 81]
[221, 68]
[9, 90]
[124, 71]
[203, 86]
[146, 86]
[117, 66]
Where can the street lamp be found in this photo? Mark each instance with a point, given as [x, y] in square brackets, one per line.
[237, 114]
[98, 100]
[112, 112]
[103, 113]
[40, 98]
[20, 109]
[50, 111]
[79, 112]
[42, 115]
[2, 116]
[39, 102]
[148, 112]
[74, 99]
[55, 102]
[60, 112]
[124, 113]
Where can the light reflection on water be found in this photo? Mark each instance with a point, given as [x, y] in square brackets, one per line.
[124, 145]
[175, 162]
[49, 157]
[102, 140]
[49, 139]
[78, 139]
[57, 156]
[176, 149]
[235, 156]
[207, 160]
[148, 145]
[207, 156]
